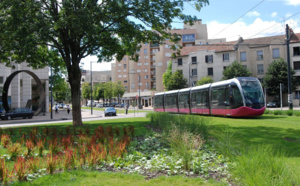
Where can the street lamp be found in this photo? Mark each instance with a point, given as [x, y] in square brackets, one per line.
[91, 73]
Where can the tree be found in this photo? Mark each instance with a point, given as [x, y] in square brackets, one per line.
[86, 91]
[236, 69]
[62, 92]
[278, 73]
[108, 90]
[167, 75]
[76, 29]
[118, 90]
[98, 91]
[204, 80]
[176, 81]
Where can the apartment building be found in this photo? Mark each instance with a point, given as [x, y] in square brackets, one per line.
[144, 77]
[23, 87]
[97, 76]
[255, 54]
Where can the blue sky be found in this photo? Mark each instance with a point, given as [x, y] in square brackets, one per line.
[231, 19]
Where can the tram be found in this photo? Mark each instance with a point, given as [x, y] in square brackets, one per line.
[237, 97]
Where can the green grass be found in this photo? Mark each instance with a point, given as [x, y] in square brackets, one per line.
[107, 178]
[279, 133]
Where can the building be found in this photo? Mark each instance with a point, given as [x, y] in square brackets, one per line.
[255, 54]
[144, 77]
[23, 90]
[97, 76]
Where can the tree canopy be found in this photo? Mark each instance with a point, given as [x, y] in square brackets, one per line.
[236, 69]
[167, 75]
[278, 73]
[204, 81]
[176, 81]
[76, 29]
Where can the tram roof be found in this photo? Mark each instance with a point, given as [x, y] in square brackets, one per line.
[185, 90]
[172, 92]
[201, 86]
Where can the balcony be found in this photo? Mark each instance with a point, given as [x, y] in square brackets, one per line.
[153, 79]
[154, 45]
[152, 66]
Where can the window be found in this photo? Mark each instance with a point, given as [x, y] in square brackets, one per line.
[132, 71]
[138, 70]
[145, 51]
[209, 59]
[146, 77]
[139, 78]
[194, 72]
[118, 70]
[124, 59]
[147, 84]
[224, 68]
[126, 87]
[167, 46]
[296, 65]
[167, 54]
[125, 81]
[125, 70]
[226, 57]
[145, 57]
[1, 79]
[297, 94]
[146, 63]
[119, 76]
[194, 60]
[276, 53]
[124, 75]
[179, 61]
[145, 70]
[243, 56]
[132, 85]
[140, 84]
[296, 51]
[139, 64]
[210, 71]
[260, 69]
[188, 37]
[119, 65]
[260, 55]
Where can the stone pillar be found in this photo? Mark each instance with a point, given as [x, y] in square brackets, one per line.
[15, 88]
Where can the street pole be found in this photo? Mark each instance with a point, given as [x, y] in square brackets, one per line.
[290, 95]
[91, 88]
[281, 96]
[139, 91]
[51, 115]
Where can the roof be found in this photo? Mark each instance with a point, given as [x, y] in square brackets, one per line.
[217, 47]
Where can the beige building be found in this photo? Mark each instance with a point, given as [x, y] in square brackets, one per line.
[255, 54]
[144, 78]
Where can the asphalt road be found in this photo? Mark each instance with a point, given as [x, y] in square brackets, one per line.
[63, 116]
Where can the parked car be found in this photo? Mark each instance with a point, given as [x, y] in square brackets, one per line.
[113, 104]
[110, 111]
[99, 105]
[273, 104]
[17, 113]
[60, 105]
[121, 105]
[66, 106]
[105, 104]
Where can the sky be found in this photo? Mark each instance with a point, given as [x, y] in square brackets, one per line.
[232, 19]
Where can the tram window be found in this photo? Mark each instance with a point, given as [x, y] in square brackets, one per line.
[236, 99]
[218, 96]
[158, 101]
[205, 98]
[183, 100]
[194, 100]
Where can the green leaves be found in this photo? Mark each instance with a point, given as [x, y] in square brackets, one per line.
[236, 69]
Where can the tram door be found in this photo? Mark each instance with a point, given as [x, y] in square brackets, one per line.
[220, 104]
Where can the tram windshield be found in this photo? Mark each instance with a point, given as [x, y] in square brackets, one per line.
[253, 94]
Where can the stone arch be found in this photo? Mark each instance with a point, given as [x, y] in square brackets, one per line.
[39, 85]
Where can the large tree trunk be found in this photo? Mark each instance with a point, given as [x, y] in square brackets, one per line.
[75, 83]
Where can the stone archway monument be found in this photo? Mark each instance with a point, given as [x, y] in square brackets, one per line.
[39, 85]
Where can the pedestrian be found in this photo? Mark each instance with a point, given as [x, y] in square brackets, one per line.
[56, 109]
[68, 109]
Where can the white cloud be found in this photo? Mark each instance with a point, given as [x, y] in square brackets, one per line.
[258, 28]
[274, 14]
[253, 14]
[292, 2]
[104, 66]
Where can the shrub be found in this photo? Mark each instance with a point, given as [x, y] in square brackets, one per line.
[289, 112]
[69, 160]
[29, 146]
[53, 147]
[33, 165]
[5, 174]
[183, 143]
[14, 150]
[40, 146]
[277, 112]
[5, 140]
[296, 113]
[260, 165]
[20, 168]
[51, 163]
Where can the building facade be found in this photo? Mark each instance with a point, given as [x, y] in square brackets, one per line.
[255, 54]
[23, 88]
[144, 77]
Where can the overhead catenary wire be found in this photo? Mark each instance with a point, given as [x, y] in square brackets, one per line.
[238, 18]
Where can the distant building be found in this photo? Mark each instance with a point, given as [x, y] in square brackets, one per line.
[144, 78]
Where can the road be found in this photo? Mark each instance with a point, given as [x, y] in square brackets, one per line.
[63, 117]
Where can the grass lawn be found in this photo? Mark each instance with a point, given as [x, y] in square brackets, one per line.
[282, 133]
